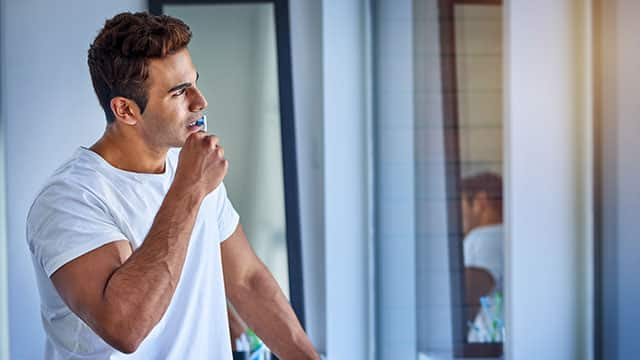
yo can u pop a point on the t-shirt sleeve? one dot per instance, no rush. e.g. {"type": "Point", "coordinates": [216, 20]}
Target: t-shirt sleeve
{"type": "Point", "coordinates": [471, 251]}
{"type": "Point", "coordinates": [228, 218]}
{"type": "Point", "coordinates": [484, 253]}
{"type": "Point", "coordinates": [65, 222]}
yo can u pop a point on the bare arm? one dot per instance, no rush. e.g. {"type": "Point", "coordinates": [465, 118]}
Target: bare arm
{"type": "Point", "coordinates": [122, 294]}
{"type": "Point", "coordinates": [259, 301]}
{"type": "Point", "coordinates": [478, 283]}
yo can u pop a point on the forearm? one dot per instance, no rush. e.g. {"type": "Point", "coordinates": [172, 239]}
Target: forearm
{"type": "Point", "coordinates": [138, 293]}
{"type": "Point", "coordinates": [261, 303]}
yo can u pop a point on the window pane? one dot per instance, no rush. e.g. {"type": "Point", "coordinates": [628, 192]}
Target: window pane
{"type": "Point", "coordinates": [458, 141]}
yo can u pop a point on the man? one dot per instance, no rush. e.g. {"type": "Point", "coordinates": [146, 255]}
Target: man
{"type": "Point", "coordinates": [130, 237]}
{"type": "Point", "coordinates": [483, 254]}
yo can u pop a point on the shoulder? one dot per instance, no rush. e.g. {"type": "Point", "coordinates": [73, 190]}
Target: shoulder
{"type": "Point", "coordinates": [73, 186]}
{"type": "Point", "coordinates": [485, 237]}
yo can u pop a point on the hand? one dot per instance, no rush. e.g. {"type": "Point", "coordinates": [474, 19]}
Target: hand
{"type": "Point", "coordinates": [202, 165]}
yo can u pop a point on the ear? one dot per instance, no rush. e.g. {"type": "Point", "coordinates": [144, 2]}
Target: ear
{"type": "Point", "coordinates": [125, 110]}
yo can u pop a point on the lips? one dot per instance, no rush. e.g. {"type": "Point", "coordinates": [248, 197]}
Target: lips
{"type": "Point", "coordinates": [193, 123]}
{"type": "Point", "coordinates": [200, 121]}
{"type": "Point", "coordinates": [194, 127]}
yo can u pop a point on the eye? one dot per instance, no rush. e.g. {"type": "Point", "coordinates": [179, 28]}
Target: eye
{"type": "Point", "coordinates": [180, 92]}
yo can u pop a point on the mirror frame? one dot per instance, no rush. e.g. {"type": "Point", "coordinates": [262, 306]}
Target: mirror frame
{"type": "Point", "coordinates": [288, 137]}
{"type": "Point", "coordinates": [453, 175]}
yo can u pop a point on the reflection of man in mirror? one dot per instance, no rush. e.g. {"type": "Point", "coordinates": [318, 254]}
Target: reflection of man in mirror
{"type": "Point", "coordinates": [130, 236]}
{"type": "Point", "coordinates": [483, 254]}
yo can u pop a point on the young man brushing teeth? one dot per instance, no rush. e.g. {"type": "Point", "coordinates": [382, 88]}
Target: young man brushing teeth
{"type": "Point", "coordinates": [135, 244]}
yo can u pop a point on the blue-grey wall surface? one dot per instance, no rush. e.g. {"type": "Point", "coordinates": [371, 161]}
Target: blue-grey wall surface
{"type": "Point", "coordinates": [546, 226]}
{"type": "Point", "coordinates": [306, 53]}
{"type": "Point", "coordinates": [346, 188]}
{"type": "Point", "coordinates": [620, 132]}
{"type": "Point", "coordinates": [49, 110]}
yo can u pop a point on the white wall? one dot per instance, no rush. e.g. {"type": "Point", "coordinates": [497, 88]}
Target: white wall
{"type": "Point", "coordinates": [48, 110]}
{"type": "Point", "coordinates": [400, 309]}
{"type": "Point", "coordinates": [346, 179]}
{"type": "Point", "coordinates": [4, 267]}
{"type": "Point", "coordinates": [306, 52]}
{"type": "Point", "coordinates": [547, 127]}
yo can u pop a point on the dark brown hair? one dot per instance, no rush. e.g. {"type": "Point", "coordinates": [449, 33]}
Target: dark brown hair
{"type": "Point", "coordinates": [118, 57]}
{"type": "Point", "coordinates": [489, 183]}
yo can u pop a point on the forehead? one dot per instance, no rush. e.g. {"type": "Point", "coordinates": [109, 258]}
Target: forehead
{"type": "Point", "coordinates": [169, 71]}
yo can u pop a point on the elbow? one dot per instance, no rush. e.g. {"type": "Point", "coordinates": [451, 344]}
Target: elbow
{"type": "Point", "coordinates": [126, 346]}
{"type": "Point", "coordinates": [121, 328]}
{"type": "Point", "coordinates": [123, 337]}
{"type": "Point", "coordinates": [125, 343]}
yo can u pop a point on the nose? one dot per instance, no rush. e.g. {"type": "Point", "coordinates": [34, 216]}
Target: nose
{"type": "Point", "coordinates": [199, 101]}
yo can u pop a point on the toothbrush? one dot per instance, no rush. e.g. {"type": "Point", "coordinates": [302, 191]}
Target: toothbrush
{"type": "Point", "coordinates": [202, 122]}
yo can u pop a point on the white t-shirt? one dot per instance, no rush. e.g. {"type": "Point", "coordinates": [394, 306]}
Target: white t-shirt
{"type": "Point", "coordinates": [88, 203]}
{"type": "Point", "coordinates": [483, 248]}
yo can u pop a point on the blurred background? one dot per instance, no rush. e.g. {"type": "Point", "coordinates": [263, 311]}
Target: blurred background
{"type": "Point", "coordinates": [465, 172]}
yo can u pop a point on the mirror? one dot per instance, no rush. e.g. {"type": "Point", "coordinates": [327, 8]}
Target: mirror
{"type": "Point", "coordinates": [471, 43]}
{"type": "Point", "coordinates": [241, 51]}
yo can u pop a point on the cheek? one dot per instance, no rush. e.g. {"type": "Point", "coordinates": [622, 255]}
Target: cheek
{"type": "Point", "coordinates": [161, 115]}
{"type": "Point", "coordinates": [175, 110]}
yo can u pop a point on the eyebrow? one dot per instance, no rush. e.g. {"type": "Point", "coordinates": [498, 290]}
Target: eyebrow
{"type": "Point", "coordinates": [183, 85]}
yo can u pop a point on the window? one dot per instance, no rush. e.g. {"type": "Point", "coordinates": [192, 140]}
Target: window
{"type": "Point", "coordinates": [438, 106]}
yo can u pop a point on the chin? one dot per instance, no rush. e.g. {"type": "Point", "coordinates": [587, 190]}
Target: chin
{"type": "Point", "coordinates": [181, 141]}
{"type": "Point", "coordinates": [176, 143]}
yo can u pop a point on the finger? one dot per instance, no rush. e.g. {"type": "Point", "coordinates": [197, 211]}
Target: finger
{"type": "Point", "coordinates": [211, 141]}
{"type": "Point", "coordinates": [192, 137]}
{"type": "Point", "coordinates": [199, 135]}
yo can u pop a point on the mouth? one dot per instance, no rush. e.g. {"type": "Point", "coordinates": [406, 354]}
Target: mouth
{"type": "Point", "coordinates": [194, 126]}
{"type": "Point", "coordinates": [197, 125]}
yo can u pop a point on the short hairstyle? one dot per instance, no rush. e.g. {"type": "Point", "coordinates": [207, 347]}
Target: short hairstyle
{"type": "Point", "coordinates": [486, 182]}
{"type": "Point", "coordinates": [119, 56]}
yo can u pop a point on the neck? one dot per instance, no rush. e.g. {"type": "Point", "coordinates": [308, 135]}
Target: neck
{"type": "Point", "coordinates": [129, 152]}
{"type": "Point", "coordinates": [491, 219]}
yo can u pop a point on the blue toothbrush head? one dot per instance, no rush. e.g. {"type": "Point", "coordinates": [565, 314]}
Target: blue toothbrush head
{"type": "Point", "coordinates": [202, 122]}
